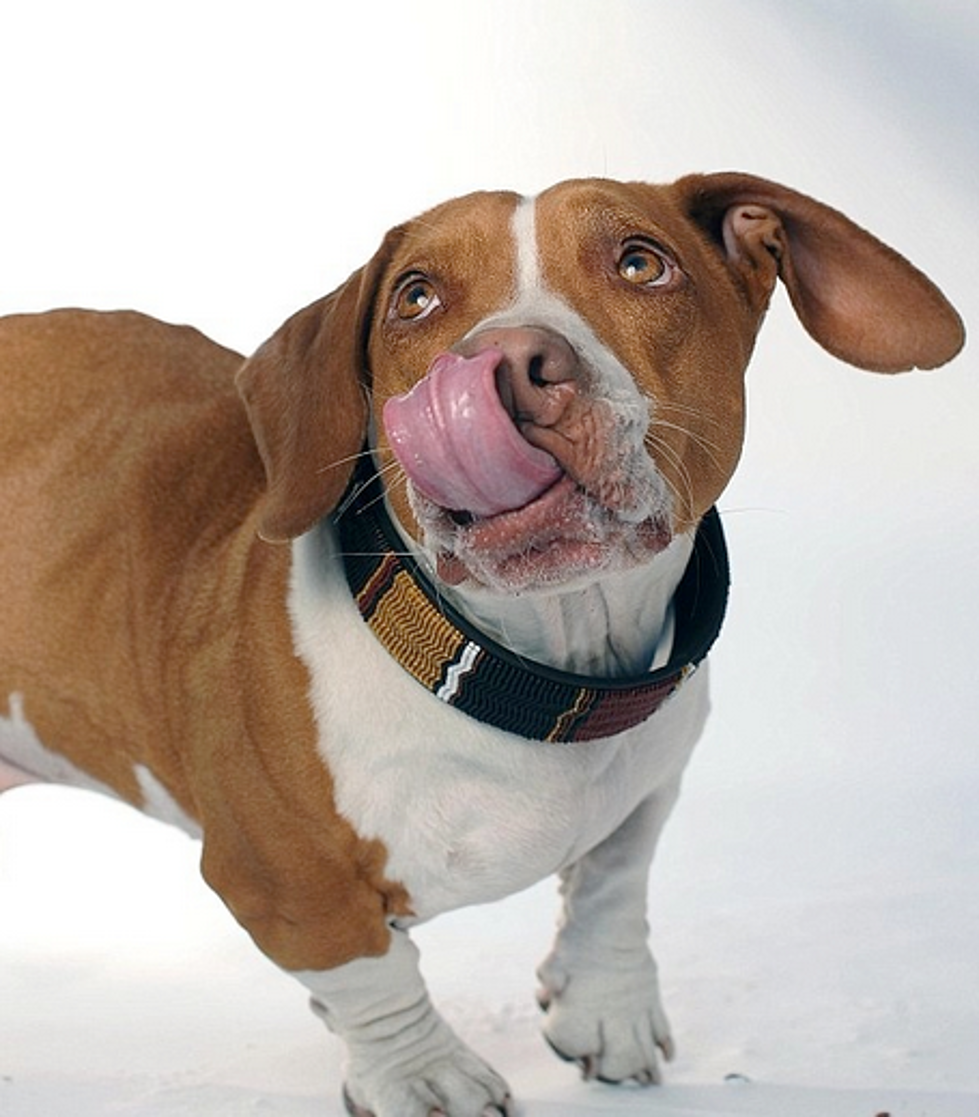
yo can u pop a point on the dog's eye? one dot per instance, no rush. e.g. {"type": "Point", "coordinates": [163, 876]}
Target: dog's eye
{"type": "Point", "coordinates": [644, 265]}
{"type": "Point", "coordinates": [415, 298]}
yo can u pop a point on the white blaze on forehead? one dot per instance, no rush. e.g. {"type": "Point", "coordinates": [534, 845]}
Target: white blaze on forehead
{"type": "Point", "coordinates": [524, 228]}
{"type": "Point", "coordinates": [536, 304]}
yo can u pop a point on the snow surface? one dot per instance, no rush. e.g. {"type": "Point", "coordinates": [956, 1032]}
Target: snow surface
{"type": "Point", "coordinates": [815, 903]}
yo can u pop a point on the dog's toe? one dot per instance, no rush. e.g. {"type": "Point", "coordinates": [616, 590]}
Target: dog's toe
{"type": "Point", "coordinates": [613, 1029]}
{"type": "Point", "coordinates": [589, 1066]}
{"type": "Point", "coordinates": [585, 1063]}
{"type": "Point", "coordinates": [438, 1091]}
{"type": "Point", "coordinates": [352, 1107]}
{"type": "Point", "coordinates": [504, 1110]}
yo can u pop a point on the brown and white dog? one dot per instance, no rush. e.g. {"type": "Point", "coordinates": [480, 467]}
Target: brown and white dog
{"type": "Point", "coordinates": [472, 665]}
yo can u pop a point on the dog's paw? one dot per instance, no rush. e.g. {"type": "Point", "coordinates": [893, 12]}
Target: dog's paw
{"type": "Point", "coordinates": [403, 1059]}
{"type": "Point", "coordinates": [610, 1022]}
{"type": "Point", "coordinates": [455, 1084]}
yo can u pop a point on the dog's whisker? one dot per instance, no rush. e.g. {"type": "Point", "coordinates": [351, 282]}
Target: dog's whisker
{"type": "Point", "coordinates": [398, 478]}
{"type": "Point", "coordinates": [684, 409]}
{"type": "Point", "coordinates": [711, 449]}
{"type": "Point", "coordinates": [348, 500]}
{"type": "Point", "coordinates": [375, 500]}
{"type": "Point", "coordinates": [700, 439]}
{"type": "Point", "coordinates": [374, 554]}
{"type": "Point", "coordinates": [395, 476]}
{"type": "Point", "coordinates": [683, 474]}
{"type": "Point", "coordinates": [345, 461]}
{"type": "Point", "coordinates": [509, 643]}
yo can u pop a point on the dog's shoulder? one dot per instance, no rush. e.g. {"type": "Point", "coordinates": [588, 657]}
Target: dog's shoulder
{"type": "Point", "coordinates": [145, 405]}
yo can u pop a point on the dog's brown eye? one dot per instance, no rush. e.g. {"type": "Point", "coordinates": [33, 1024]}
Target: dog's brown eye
{"type": "Point", "coordinates": [416, 298]}
{"type": "Point", "coordinates": [645, 266]}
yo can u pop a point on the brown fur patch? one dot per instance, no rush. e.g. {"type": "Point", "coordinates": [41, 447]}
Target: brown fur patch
{"type": "Point", "coordinates": [145, 622]}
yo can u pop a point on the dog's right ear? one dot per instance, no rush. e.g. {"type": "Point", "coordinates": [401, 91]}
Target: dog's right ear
{"type": "Point", "coordinates": [306, 391]}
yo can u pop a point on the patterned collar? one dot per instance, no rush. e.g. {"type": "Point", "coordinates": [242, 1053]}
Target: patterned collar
{"type": "Point", "coordinates": [466, 669]}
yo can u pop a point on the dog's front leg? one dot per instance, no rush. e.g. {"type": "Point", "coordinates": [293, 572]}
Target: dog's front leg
{"type": "Point", "coordinates": [600, 987]}
{"type": "Point", "coordinates": [403, 1059]}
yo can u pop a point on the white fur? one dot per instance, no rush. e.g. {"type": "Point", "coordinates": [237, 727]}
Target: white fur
{"type": "Point", "coordinates": [622, 625]}
{"type": "Point", "coordinates": [25, 759]}
{"type": "Point", "coordinates": [158, 803]}
{"type": "Point", "coordinates": [600, 980]}
{"type": "Point", "coordinates": [23, 751]}
{"type": "Point", "coordinates": [490, 812]}
{"type": "Point", "coordinates": [524, 229]}
{"type": "Point", "coordinates": [402, 1057]}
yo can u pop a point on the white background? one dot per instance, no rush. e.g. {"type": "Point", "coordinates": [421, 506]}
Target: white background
{"type": "Point", "coordinates": [816, 900]}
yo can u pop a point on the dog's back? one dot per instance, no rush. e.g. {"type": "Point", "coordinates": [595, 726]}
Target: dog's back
{"type": "Point", "coordinates": [120, 437]}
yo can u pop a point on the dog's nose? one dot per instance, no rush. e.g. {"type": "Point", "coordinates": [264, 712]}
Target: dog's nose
{"type": "Point", "coordinates": [538, 372]}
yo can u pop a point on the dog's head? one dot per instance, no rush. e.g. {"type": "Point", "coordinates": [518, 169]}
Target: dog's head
{"type": "Point", "coordinates": [555, 385]}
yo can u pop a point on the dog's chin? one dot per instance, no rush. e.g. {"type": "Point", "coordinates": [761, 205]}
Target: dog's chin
{"type": "Point", "coordinates": [562, 539]}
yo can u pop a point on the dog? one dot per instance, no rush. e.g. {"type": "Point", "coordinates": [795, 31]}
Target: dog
{"type": "Point", "coordinates": [411, 608]}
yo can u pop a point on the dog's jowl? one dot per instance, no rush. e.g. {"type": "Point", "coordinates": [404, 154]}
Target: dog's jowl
{"type": "Point", "coordinates": [410, 609]}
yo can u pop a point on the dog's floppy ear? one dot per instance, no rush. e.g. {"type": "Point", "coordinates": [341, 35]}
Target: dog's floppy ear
{"type": "Point", "coordinates": [306, 393]}
{"type": "Point", "coordinates": [859, 299]}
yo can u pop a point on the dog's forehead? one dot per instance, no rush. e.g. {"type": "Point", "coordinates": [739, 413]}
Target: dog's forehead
{"type": "Point", "coordinates": [593, 211]}
{"type": "Point", "coordinates": [460, 229]}
{"type": "Point", "coordinates": [503, 226]}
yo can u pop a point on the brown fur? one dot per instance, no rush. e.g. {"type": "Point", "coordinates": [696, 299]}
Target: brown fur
{"type": "Point", "coordinates": [147, 624]}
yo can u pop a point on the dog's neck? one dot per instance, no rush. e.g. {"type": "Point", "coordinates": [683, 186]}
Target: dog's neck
{"type": "Point", "coordinates": [539, 687]}
{"type": "Point", "coordinates": [618, 625]}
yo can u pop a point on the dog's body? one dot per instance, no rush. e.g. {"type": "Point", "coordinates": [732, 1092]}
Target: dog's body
{"type": "Point", "coordinates": [156, 647]}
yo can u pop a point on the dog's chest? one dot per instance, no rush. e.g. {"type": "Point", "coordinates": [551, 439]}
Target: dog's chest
{"type": "Point", "coordinates": [468, 813]}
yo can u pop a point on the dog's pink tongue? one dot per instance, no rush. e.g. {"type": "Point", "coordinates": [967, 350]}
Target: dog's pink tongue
{"type": "Point", "coordinates": [457, 443]}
